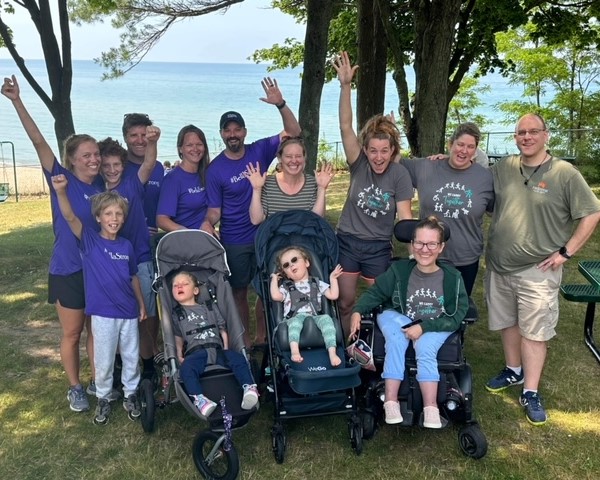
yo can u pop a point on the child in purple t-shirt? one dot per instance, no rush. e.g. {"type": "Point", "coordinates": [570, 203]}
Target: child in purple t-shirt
{"type": "Point", "coordinates": [113, 295]}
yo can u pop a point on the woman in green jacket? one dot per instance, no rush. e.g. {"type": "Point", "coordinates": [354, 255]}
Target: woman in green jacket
{"type": "Point", "coordinates": [431, 297]}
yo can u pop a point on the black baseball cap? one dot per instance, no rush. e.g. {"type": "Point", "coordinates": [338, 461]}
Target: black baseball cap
{"type": "Point", "coordinates": [231, 117]}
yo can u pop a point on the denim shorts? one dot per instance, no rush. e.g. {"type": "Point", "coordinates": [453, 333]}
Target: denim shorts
{"type": "Point", "coordinates": [367, 257]}
{"type": "Point", "coordinates": [67, 289]}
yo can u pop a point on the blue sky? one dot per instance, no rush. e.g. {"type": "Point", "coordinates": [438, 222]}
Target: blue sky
{"type": "Point", "coordinates": [216, 38]}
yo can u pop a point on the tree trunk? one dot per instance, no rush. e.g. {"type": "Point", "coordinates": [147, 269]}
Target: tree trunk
{"type": "Point", "coordinates": [372, 59]}
{"type": "Point", "coordinates": [318, 16]}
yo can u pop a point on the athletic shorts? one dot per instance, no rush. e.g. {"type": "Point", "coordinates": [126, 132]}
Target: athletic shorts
{"type": "Point", "coordinates": [146, 277]}
{"type": "Point", "coordinates": [241, 260]}
{"type": "Point", "coordinates": [528, 299]}
{"type": "Point", "coordinates": [367, 257]}
{"type": "Point", "coordinates": [67, 289]}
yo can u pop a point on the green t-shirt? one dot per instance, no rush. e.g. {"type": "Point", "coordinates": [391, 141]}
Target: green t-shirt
{"type": "Point", "coordinates": [532, 221]}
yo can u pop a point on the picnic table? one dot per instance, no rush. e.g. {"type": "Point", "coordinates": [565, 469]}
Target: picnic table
{"type": "Point", "coordinates": [586, 293]}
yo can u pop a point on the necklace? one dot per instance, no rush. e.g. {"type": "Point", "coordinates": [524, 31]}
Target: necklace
{"type": "Point", "coordinates": [526, 182]}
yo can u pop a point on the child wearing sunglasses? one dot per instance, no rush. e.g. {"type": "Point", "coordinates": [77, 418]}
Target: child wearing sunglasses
{"type": "Point", "coordinates": [299, 302]}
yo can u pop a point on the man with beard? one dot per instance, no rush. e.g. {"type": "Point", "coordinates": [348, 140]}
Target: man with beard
{"type": "Point", "coordinates": [229, 195]}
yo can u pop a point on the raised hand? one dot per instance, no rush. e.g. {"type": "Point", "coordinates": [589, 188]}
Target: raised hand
{"type": "Point", "coordinates": [324, 175]}
{"type": "Point", "coordinates": [152, 134]}
{"type": "Point", "coordinates": [272, 92]}
{"type": "Point", "coordinates": [343, 67]}
{"type": "Point", "coordinates": [10, 88]}
{"type": "Point", "coordinates": [252, 173]}
{"type": "Point", "coordinates": [59, 182]}
{"type": "Point", "coordinates": [336, 272]}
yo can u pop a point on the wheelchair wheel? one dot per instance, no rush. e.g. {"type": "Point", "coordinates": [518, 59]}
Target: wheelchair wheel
{"type": "Point", "coordinates": [212, 460]}
{"type": "Point", "coordinates": [472, 441]}
{"type": "Point", "coordinates": [355, 429]}
{"type": "Point", "coordinates": [279, 442]}
{"type": "Point", "coordinates": [147, 405]}
{"type": "Point", "coordinates": [369, 425]}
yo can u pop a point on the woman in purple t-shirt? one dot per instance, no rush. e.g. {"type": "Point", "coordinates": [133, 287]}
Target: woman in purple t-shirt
{"type": "Point", "coordinates": [182, 202]}
{"type": "Point", "coordinates": [65, 280]}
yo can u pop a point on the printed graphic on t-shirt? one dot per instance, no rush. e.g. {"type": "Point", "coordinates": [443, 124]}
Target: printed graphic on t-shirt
{"type": "Point", "coordinates": [116, 255]}
{"type": "Point", "coordinates": [374, 202]}
{"type": "Point", "coordinates": [200, 321]}
{"type": "Point", "coordinates": [424, 304]}
{"type": "Point", "coordinates": [453, 200]}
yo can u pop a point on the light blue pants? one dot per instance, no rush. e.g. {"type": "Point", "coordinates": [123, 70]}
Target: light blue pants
{"type": "Point", "coordinates": [323, 322]}
{"type": "Point", "coordinates": [426, 348]}
{"type": "Point", "coordinates": [111, 334]}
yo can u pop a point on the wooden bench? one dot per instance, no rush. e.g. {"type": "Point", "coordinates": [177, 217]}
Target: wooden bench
{"type": "Point", "coordinates": [589, 294]}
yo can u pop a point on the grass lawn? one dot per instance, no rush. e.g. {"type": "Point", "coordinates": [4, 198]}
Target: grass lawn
{"type": "Point", "coordinates": [40, 438]}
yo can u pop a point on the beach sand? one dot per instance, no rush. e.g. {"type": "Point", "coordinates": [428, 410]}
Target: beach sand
{"type": "Point", "coordinates": [29, 180]}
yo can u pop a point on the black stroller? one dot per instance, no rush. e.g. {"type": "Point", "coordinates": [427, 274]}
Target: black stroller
{"type": "Point", "coordinates": [201, 254]}
{"type": "Point", "coordinates": [313, 387]}
{"type": "Point", "coordinates": [455, 391]}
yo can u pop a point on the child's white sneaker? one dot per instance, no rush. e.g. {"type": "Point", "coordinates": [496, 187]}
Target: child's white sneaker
{"type": "Point", "coordinates": [250, 397]}
{"type": "Point", "coordinates": [431, 417]}
{"type": "Point", "coordinates": [204, 405]}
{"type": "Point", "coordinates": [392, 412]}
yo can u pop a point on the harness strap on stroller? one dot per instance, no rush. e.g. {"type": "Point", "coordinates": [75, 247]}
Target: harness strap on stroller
{"type": "Point", "coordinates": [299, 299]}
{"type": "Point", "coordinates": [212, 348]}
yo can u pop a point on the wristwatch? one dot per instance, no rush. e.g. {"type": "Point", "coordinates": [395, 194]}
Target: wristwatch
{"type": "Point", "coordinates": [564, 253]}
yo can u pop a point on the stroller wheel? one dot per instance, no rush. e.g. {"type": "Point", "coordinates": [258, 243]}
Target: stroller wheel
{"type": "Point", "coordinates": [211, 458]}
{"type": "Point", "coordinates": [472, 441]}
{"type": "Point", "coordinates": [279, 442]}
{"type": "Point", "coordinates": [147, 405]}
{"type": "Point", "coordinates": [369, 425]}
{"type": "Point", "coordinates": [356, 434]}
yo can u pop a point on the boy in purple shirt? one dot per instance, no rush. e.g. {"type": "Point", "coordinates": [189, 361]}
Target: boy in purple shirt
{"type": "Point", "coordinates": [229, 196]}
{"type": "Point", "coordinates": [113, 295]}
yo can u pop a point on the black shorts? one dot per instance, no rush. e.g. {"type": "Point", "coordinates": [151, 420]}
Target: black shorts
{"type": "Point", "coordinates": [241, 260]}
{"type": "Point", "coordinates": [367, 257]}
{"type": "Point", "coordinates": [67, 289]}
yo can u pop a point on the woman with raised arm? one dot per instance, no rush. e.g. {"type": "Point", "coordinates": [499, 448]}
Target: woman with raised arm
{"type": "Point", "coordinates": [380, 192]}
{"type": "Point", "coordinates": [65, 280]}
{"type": "Point", "coordinates": [289, 188]}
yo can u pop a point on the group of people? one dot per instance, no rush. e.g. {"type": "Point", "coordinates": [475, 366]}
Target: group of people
{"type": "Point", "coordinates": [534, 199]}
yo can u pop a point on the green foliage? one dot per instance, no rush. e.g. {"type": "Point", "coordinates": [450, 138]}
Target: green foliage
{"type": "Point", "coordinates": [288, 55]}
{"type": "Point", "coordinates": [463, 104]}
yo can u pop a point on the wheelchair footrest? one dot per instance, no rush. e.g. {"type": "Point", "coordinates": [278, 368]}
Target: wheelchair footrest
{"type": "Point", "coordinates": [580, 293]}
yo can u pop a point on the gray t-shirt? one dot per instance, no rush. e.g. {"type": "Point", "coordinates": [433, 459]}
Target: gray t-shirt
{"type": "Point", "coordinates": [369, 212]}
{"type": "Point", "coordinates": [425, 295]}
{"type": "Point", "coordinates": [193, 327]}
{"type": "Point", "coordinates": [276, 200]}
{"type": "Point", "coordinates": [458, 197]}
{"type": "Point", "coordinates": [535, 220]}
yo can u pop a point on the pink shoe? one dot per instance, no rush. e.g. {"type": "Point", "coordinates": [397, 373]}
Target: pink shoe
{"type": "Point", "coordinates": [250, 397]}
{"type": "Point", "coordinates": [204, 405]}
{"type": "Point", "coordinates": [392, 412]}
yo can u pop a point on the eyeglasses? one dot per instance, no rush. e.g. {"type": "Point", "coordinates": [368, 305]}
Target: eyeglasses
{"type": "Point", "coordinates": [420, 245]}
{"type": "Point", "coordinates": [533, 132]}
{"type": "Point", "coordinates": [127, 115]}
{"type": "Point", "coordinates": [292, 261]}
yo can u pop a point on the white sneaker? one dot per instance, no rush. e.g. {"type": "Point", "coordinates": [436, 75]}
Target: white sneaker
{"type": "Point", "coordinates": [250, 398]}
{"type": "Point", "coordinates": [431, 417]}
{"type": "Point", "coordinates": [392, 412]}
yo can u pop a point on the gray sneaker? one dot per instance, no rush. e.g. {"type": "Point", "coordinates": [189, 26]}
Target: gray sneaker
{"type": "Point", "coordinates": [113, 396]}
{"type": "Point", "coordinates": [78, 401]}
{"type": "Point", "coordinates": [102, 412]}
{"type": "Point", "coordinates": [131, 405]}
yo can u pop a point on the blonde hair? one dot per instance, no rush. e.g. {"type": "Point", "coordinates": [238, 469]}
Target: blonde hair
{"type": "Point", "coordinates": [103, 200]}
{"type": "Point", "coordinates": [70, 146]}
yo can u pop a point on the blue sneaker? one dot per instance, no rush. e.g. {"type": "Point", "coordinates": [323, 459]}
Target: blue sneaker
{"type": "Point", "coordinates": [78, 401]}
{"type": "Point", "coordinates": [534, 411]}
{"type": "Point", "coordinates": [506, 378]}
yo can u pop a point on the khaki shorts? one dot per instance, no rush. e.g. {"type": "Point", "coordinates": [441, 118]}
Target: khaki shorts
{"type": "Point", "coordinates": [528, 299]}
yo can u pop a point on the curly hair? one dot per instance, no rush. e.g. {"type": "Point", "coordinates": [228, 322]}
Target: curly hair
{"type": "Point", "coordinates": [382, 128]}
{"type": "Point", "coordinates": [112, 148]}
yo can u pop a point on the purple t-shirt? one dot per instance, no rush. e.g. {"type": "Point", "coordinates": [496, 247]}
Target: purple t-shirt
{"type": "Point", "coordinates": [135, 229]}
{"type": "Point", "coordinates": [228, 189]}
{"type": "Point", "coordinates": [182, 198]}
{"type": "Point", "coordinates": [108, 266]}
{"type": "Point", "coordinates": [66, 258]}
{"type": "Point", "coordinates": [151, 189]}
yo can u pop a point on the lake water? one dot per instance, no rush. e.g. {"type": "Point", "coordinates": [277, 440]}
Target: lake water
{"type": "Point", "coordinates": [176, 94]}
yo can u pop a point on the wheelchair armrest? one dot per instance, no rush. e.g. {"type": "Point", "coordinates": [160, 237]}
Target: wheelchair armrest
{"type": "Point", "coordinates": [472, 313]}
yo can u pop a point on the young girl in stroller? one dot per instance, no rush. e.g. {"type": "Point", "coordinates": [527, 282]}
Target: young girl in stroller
{"type": "Point", "coordinates": [301, 297]}
{"type": "Point", "coordinates": [424, 302]}
{"type": "Point", "coordinates": [201, 334]}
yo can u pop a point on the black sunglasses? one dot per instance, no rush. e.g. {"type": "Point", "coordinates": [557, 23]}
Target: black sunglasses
{"type": "Point", "coordinates": [291, 262]}
{"type": "Point", "coordinates": [127, 115]}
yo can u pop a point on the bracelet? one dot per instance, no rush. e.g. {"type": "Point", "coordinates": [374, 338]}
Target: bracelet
{"type": "Point", "coordinates": [280, 105]}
